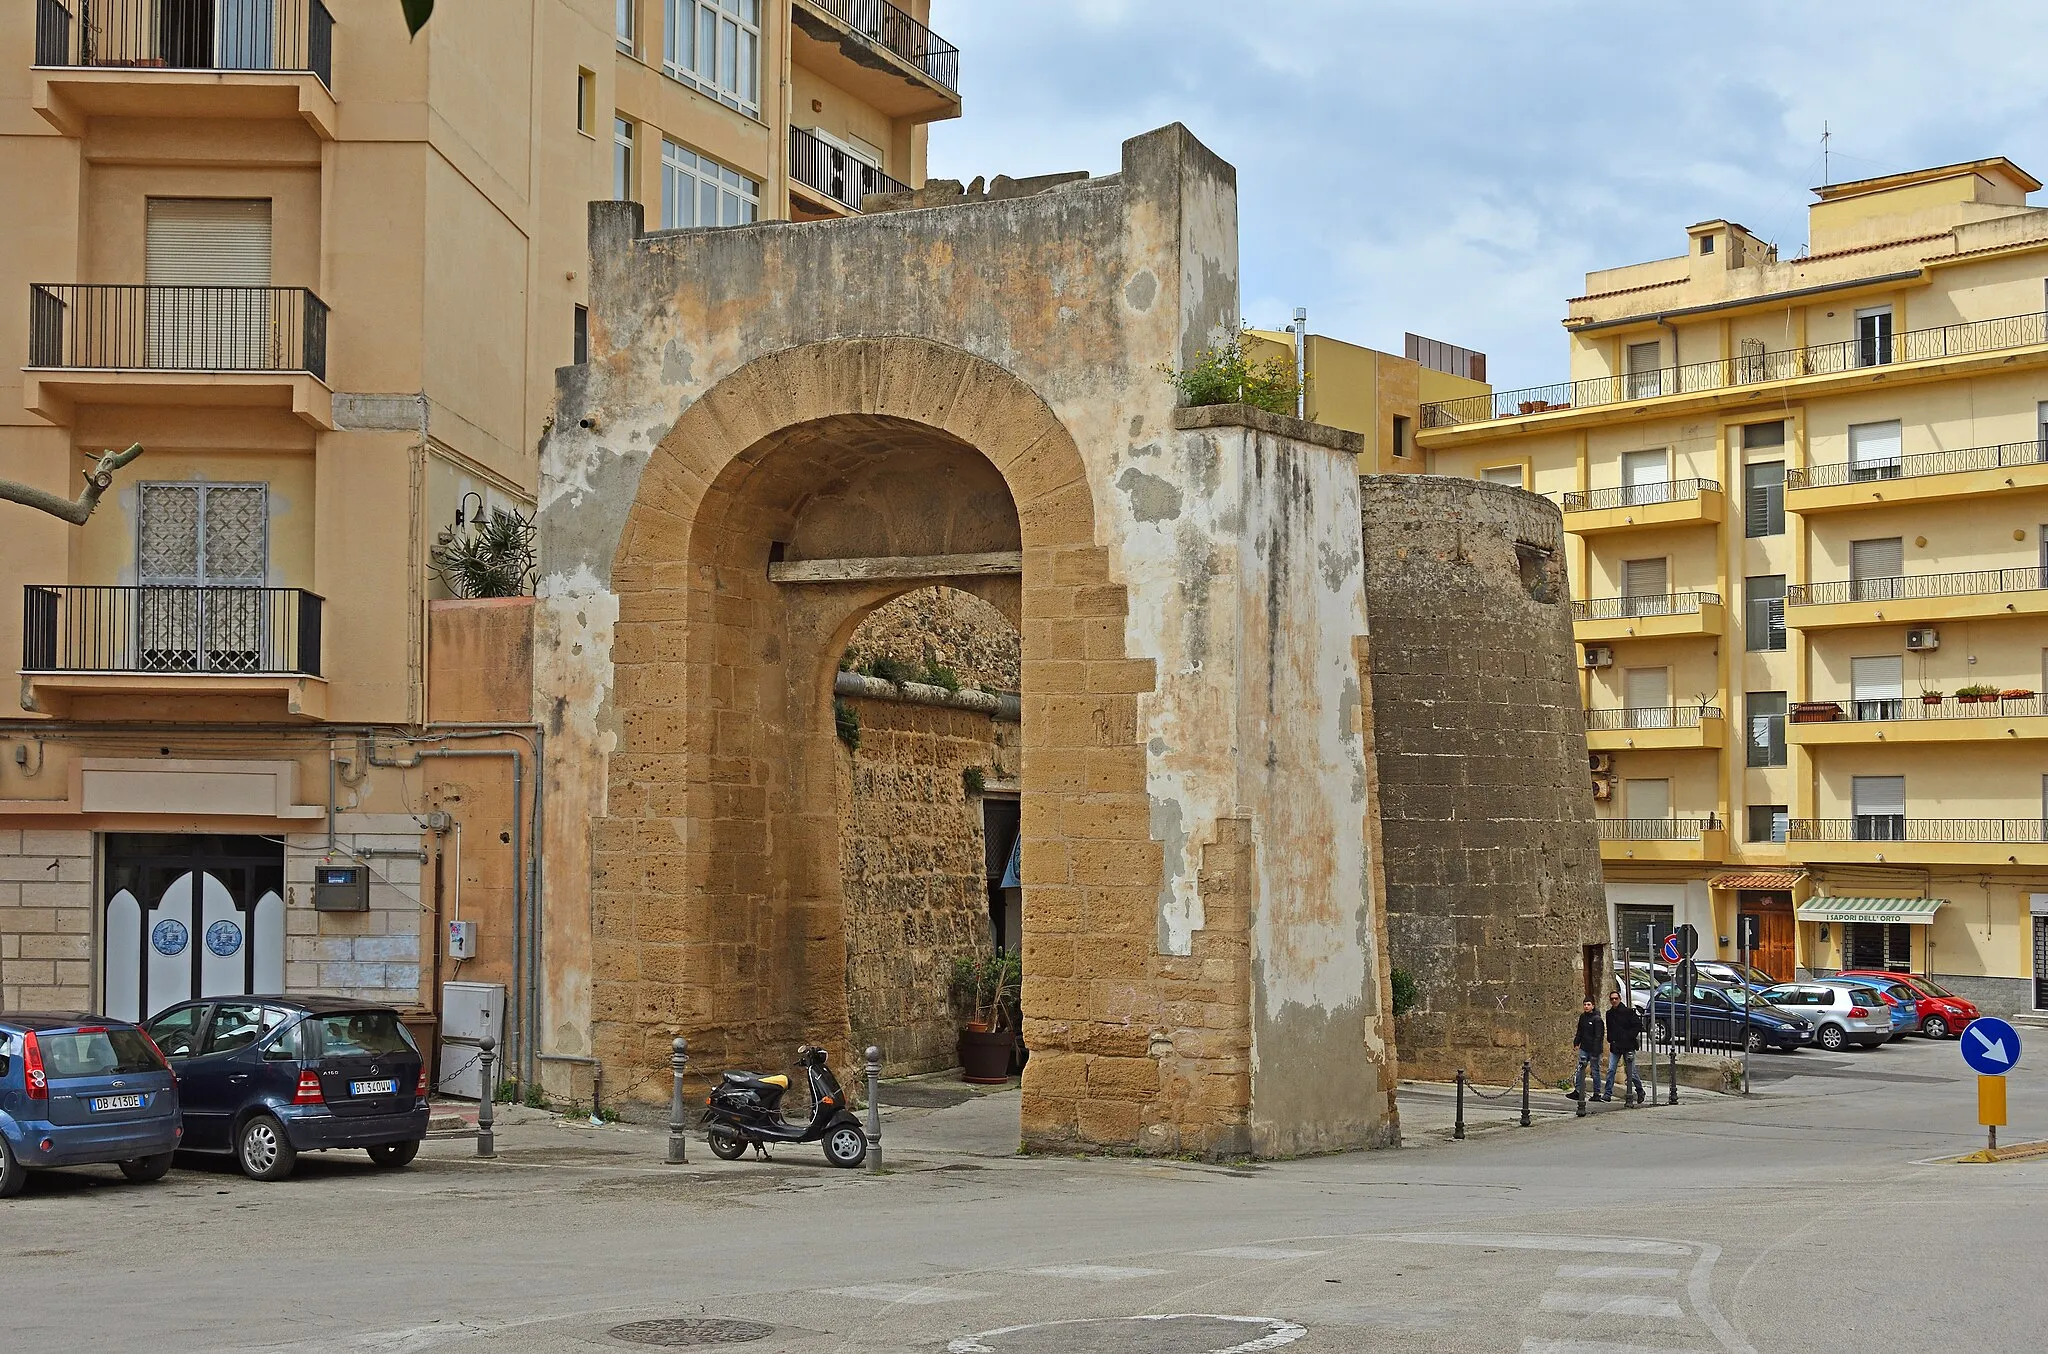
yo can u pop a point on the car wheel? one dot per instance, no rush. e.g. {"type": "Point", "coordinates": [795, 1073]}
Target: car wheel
{"type": "Point", "coordinates": [1660, 1033]}
{"type": "Point", "coordinates": [1757, 1042]}
{"type": "Point", "coordinates": [1935, 1028]}
{"type": "Point", "coordinates": [392, 1155]}
{"type": "Point", "coordinates": [263, 1151]}
{"type": "Point", "coordinates": [1832, 1038]}
{"type": "Point", "coordinates": [726, 1143]}
{"type": "Point", "coordinates": [142, 1170]}
{"type": "Point", "coordinates": [846, 1146]}
{"type": "Point", "coordinates": [13, 1175]}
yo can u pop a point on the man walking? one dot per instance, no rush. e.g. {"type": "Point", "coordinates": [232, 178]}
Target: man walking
{"type": "Point", "coordinates": [1588, 1040]}
{"type": "Point", "coordinates": [1624, 1037]}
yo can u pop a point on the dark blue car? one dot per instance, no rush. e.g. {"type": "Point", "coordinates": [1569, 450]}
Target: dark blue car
{"type": "Point", "coordinates": [266, 1078]}
{"type": "Point", "coordinates": [79, 1090]}
{"type": "Point", "coordinates": [1728, 1017]}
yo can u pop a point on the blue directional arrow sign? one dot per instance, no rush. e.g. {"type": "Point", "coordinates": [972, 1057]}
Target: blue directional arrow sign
{"type": "Point", "coordinates": [1990, 1046]}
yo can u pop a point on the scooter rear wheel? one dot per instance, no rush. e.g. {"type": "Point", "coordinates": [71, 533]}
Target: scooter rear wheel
{"type": "Point", "coordinates": [846, 1146]}
{"type": "Point", "coordinates": [726, 1143]}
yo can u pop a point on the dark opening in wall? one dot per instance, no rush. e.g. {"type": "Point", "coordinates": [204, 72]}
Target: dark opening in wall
{"type": "Point", "coordinates": [1539, 572]}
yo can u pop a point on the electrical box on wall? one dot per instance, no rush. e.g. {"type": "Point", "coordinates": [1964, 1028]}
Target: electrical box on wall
{"type": "Point", "coordinates": [462, 940]}
{"type": "Point", "coordinates": [341, 888]}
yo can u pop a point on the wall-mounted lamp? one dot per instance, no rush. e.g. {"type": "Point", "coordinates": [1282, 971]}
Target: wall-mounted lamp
{"type": "Point", "coordinates": [462, 514]}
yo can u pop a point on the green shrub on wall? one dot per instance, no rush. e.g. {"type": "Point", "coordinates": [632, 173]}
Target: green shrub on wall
{"type": "Point", "coordinates": [1403, 983]}
{"type": "Point", "coordinates": [1231, 375]}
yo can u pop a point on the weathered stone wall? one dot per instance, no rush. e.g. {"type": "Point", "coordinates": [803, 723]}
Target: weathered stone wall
{"type": "Point", "coordinates": [1491, 861]}
{"type": "Point", "coordinates": [954, 629]}
{"type": "Point", "coordinates": [913, 873]}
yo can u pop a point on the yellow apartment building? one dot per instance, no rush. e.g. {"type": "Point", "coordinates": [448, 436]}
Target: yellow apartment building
{"type": "Point", "coordinates": [1374, 394]}
{"type": "Point", "coordinates": [326, 274]}
{"type": "Point", "coordinates": [1807, 504]}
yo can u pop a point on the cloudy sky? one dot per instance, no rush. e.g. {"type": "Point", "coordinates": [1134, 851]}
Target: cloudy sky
{"type": "Point", "coordinates": [1454, 167]}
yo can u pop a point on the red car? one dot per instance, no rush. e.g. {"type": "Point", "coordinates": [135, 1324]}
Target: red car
{"type": "Point", "coordinates": [1942, 1012]}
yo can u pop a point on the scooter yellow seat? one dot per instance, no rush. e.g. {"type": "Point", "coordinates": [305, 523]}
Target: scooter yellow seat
{"type": "Point", "coordinates": [779, 1079]}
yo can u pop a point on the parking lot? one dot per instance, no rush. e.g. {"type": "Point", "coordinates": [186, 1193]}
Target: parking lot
{"type": "Point", "coordinates": [1704, 1227]}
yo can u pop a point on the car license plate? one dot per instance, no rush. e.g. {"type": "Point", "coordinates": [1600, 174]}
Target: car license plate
{"type": "Point", "coordinates": [116, 1102]}
{"type": "Point", "coordinates": [372, 1087]}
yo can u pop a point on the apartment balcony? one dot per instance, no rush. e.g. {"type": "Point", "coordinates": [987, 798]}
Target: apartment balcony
{"type": "Point", "coordinates": [1919, 354]}
{"type": "Point", "coordinates": [1651, 840]}
{"type": "Point", "coordinates": [1656, 727]}
{"type": "Point", "coordinates": [2020, 717]}
{"type": "Point", "coordinates": [1895, 840]}
{"type": "Point", "coordinates": [264, 347]}
{"type": "Point", "coordinates": [1631, 506]}
{"type": "Point", "coordinates": [1655, 616]}
{"type": "Point", "coordinates": [1917, 599]}
{"type": "Point", "coordinates": [878, 54]}
{"type": "Point", "coordinates": [221, 59]}
{"type": "Point", "coordinates": [158, 652]}
{"type": "Point", "coordinates": [1929, 477]}
{"type": "Point", "coordinates": [835, 180]}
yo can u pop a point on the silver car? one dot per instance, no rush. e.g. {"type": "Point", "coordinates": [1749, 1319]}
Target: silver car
{"type": "Point", "coordinates": [1841, 1013]}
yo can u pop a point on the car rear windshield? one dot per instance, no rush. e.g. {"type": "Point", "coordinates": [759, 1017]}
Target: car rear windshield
{"type": "Point", "coordinates": [96, 1053]}
{"type": "Point", "coordinates": [364, 1034]}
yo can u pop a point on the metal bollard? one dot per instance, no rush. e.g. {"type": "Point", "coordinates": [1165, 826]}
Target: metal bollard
{"type": "Point", "coordinates": [486, 1140]}
{"type": "Point", "coordinates": [1458, 1131]}
{"type": "Point", "coordinates": [1525, 1093]}
{"type": "Point", "coordinates": [1672, 1069]}
{"type": "Point", "coordinates": [678, 1059]}
{"type": "Point", "coordinates": [874, 1111]}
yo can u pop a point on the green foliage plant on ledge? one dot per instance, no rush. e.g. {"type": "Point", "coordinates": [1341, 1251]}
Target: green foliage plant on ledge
{"type": "Point", "coordinates": [846, 723]}
{"type": "Point", "coordinates": [1231, 375]}
{"type": "Point", "coordinates": [1405, 994]}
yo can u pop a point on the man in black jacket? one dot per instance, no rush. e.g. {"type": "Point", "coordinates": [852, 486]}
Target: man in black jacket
{"type": "Point", "coordinates": [1624, 1037]}
{"type": "Point", "coordinates": [1588, 1040]}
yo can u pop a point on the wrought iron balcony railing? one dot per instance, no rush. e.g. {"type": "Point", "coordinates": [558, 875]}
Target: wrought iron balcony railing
{"type": "Point", "coordinates": [209, 329]}
{"type": "Point", "coordinates": [187, 630]}
{"type": "Point", "coordinates": [1822, 359]}
{"type": "Point", "coordinates": [1919, 464]}
{"type": "Point", "coordinates": [1921, 708]}
{"type": "Point", "coordinates": [887, 26]}
{"type": "Point", "coordinates": [1638, 495]}
{"type": "Point", "coordinates": [1654, 604]}
{"type": "Point", "coordinates": [1887, 827]}
{"type": "Point", "coordinates": [1656, 829]}
{"type": "Point", "coordinates": [1905, 587]}
{"type": "Point", "coordinates": [205, 35]}
{"type": "Point", "coordinates": [834, 173]}
{"type": "Point", "coordinates": [1651, 717]}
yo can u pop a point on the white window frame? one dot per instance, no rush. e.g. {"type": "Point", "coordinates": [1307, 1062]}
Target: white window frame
{"type": "Point", "coordinates": [1878, 349]}
{"type": "Point", "coordinates": [624, 133]}
{"type": "Point", "coordinates": [624, 24]}
{"type": "Point", "coordinates": [688, 172]}
{"type": "Point", "coordinates": [714, 46]}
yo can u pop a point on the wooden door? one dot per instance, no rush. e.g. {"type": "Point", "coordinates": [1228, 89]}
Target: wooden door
{"type": "Point", "coordinates": [1774, 945]}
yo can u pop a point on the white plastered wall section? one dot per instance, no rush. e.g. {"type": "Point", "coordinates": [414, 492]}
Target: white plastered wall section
{"type": "Point", "coordinates": [373, 955]}
{"type": "Point", "coordinates": [46, 921]}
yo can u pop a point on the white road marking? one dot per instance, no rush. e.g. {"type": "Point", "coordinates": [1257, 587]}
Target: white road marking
{"type": "Point", "coordinates": [1613, 1272]}
{"type": "Point", "coordinates": [1532, 1345]}
{"type": "Point", "coordinates": [1258, 1253]}
{"type": "Point", "coordinates": [1278, 1332]}
{"type": "Point", "coordinates": [1592, 1245]}
{"type": "Point", "coordinates": [1095, 1273]}
{"type": "Point", "coordinates": [904, 1294]}
{"type": "Point", "coordinates": [1610, 1304]}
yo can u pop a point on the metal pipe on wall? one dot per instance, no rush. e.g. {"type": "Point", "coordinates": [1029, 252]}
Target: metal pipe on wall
{"type": "Point", "coordinates": [1301, 362]}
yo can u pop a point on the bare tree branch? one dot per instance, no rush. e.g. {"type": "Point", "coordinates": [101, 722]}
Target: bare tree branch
{"type": "Point", "coordinates": [74, 511]}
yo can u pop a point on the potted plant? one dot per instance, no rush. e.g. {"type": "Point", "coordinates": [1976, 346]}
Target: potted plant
{"type": "Point", "coordinates": [986, 990]}
{"type": "Point", "coordinates": [1815, 712]}
{"type": "Point", "coordinates": [1975, 693]}
{"type": "Point", "coordinates": [2018, 693]}
{"type": "Point", "coordinates": [1930, 698]}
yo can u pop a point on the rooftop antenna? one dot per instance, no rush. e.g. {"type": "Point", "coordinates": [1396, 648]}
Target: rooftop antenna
{"type": "Point", "coordinates": [1825, 135]}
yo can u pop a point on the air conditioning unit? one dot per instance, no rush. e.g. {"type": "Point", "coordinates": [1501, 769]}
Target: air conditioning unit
{"type": "Point", "coordinates": [1923, 639]}
{"type": "Point", "coordinates": [1603, 789]}
{"type": "Point", "coordinates": [1599, 656]}
{"type": "Point", "coordinates": [1600, 763]}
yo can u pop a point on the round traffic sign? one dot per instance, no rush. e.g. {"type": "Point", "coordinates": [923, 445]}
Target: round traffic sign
{"type": "Point", "coordinates": [1671, 951]}
{"type": "Point", "coordinates": [1990, 1046]}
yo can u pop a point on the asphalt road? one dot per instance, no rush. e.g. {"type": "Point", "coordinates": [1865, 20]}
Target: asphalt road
{"type": "Point", "coordinates": [1814, 1217]}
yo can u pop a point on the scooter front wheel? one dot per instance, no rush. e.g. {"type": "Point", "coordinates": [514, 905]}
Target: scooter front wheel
{"type": "Point", "coordinates": [846, 1146]}
{"type": "Point", "coordinates": [726, 1142]}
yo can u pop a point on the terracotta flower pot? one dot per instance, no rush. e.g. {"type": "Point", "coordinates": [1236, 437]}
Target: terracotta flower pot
{"type": "Point", "coordinates": [985, 1056]}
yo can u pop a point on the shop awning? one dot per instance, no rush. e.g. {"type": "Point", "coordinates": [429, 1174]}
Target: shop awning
{"type": "Point", "coordinates": [1769, 879]}
{"type": "Point", "coordinates": [1909, 911]}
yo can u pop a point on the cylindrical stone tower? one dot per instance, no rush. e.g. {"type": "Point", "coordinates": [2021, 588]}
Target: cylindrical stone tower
{"type": "Point", "coordinates": [1485, 807]}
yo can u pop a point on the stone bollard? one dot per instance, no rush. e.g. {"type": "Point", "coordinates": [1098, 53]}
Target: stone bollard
{"type": "Point", "coordinates": [486, 1140]}
{"type": "Point", "coordinates": [678, 1060]}
{"type": "Point", "coordinates": [874, 1111]}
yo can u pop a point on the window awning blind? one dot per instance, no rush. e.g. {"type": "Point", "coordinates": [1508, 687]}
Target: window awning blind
{"type": "Point", "coordinates": [208, 242]}
{"type": "Point", "coordinates": [1877, 679]}
{"type": "Point", "coordinates": [1877, 559]}
{"type": "Point", "coordinates": [1879, 796]}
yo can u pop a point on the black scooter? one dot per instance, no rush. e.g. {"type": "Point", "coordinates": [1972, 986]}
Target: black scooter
{"type": "Point", "coordinates": [745, 1110]}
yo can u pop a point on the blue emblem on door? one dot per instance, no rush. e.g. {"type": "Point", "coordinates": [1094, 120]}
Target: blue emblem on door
{"type": "Point", "coordinates": [223, 938]}
{"type": "Point", "coordinates": [170, 937]}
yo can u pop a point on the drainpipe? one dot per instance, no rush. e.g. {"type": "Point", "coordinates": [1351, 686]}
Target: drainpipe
{"type": "Point", "coordinates": [1301, 362]}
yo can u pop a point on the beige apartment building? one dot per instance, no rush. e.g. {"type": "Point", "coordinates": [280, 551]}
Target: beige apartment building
{"type": "Point", "coordinates": [326, 275]}
{"type": "Point", "coordinates": [1807, 506]}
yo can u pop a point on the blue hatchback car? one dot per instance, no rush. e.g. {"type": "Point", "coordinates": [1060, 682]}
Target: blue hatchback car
{"type": "Point", "coordinates": [265, 1078]}
{"type": "Point", "coordinates": [81, 1090]}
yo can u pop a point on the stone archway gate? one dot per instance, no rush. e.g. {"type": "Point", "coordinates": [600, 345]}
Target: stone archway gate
{"type": "Point", "coordinates": [1201, 937]}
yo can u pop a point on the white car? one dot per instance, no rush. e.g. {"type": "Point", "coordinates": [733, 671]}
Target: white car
{"type": "Point", "coordinates": [1841, 1013]}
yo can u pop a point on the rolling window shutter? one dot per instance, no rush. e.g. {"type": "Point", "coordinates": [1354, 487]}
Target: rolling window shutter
{"type": "Point", "coordinates": [1644, 578]}
{"type": "Point", "coordinates": [1877, 679]}
{"type": "Point", "coordinates": [1877, 559]}
{"type": "Point", "coordinates": [1879, 796]}
{"type": "Point", "coordinates": [1648, 688]}
{"type": "Point", "coordinates": [1873, 444]}
{"type": "Point", "coordinates": [208, 242]}
{"type": "Point", "coordinates": [1645, 467]}
{"type": "Point", "coordinates": [1647, 798]}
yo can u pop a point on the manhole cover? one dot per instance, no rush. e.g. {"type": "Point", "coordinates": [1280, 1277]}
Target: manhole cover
{"type": "Point", "coordinates": [1181, 1333]}
{"type": "Point", "coordinates": [689, 1332]}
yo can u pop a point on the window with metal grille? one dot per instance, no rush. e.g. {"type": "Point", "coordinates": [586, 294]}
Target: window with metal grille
{"type": "Point", "coordinates": [1763, 608]}
{"type": "Point", "coordinates": [202, 557]}
{"type": "Point", "coordinates": [1766, 728]}
{"type": "Point", "coordinates": [715, 45]}
{"type": "Point", "coordinates": [698, 191]}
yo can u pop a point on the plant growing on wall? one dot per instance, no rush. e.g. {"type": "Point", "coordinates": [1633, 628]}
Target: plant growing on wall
{"type": "Point", "coordinates": [495, 558]}
{"type": "Point", "coordinates": [1229, 374]}
{"type": "Point", "coordinates": [973, 780]}
{"type": "Point", "coordinates": [72, 510]}
{"type": "Point", "coordinates": [1405, 994]}
{"type": "Point", "coordinates": [846, 723]}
